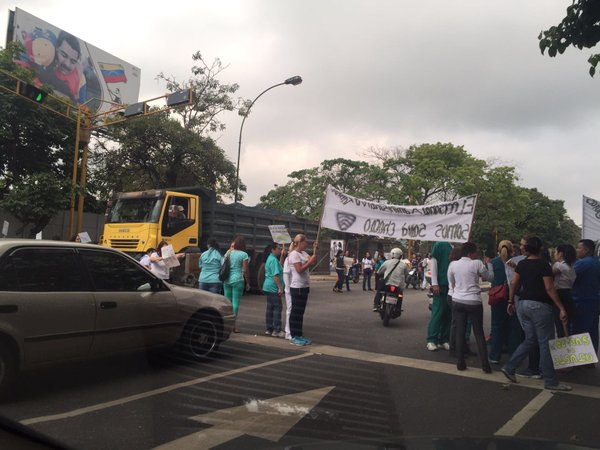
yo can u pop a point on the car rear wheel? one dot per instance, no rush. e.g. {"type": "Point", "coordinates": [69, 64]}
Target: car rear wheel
{"type": "Point", "coordinates": [201, 337]}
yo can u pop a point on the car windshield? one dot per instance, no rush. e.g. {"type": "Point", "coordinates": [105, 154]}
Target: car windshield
{"type": "Point", "coordinates": [135, 210]}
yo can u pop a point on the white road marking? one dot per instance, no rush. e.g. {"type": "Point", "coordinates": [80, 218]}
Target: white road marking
{"type": "Point", "coordinates": [269, 419]}
{"type": "Point", "coordinates": [162, 390]}
{"type": "Point", "coordinates": [474, 371]}
{"type": "Point", "coordinates": [519, 420]}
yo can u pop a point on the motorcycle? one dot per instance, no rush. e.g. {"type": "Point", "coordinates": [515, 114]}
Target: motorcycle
{"type": "Point", "coordinates": [413, 278]}
{"type": "Point", "coordinates": [390, 306]}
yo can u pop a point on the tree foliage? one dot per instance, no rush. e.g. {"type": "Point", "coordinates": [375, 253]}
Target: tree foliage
{"type": "Point", "coordinates": [430, 173]}
{"type": "Point", "coordinates": [157, 152]}
{"type": "Point", "coordinates": [173, 148]}
{"type": "Point", "coordinates": [579, 28]}
{"type": "Point", "coordinates": [32, 139]}
{"type": "Point", "coordinates": [35, 199]}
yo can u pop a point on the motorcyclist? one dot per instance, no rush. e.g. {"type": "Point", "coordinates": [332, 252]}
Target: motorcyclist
{"type": "Point", "coordinates": [393, 272]}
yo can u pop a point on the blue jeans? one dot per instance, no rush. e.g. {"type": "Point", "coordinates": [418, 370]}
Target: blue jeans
{"type": "Point", "coordinates": [339, 284]}
{"type": "Point", "coordinates": [537, 320]}
{"type": "Point", "coordinates": [215, 288]}
{"type": "Point", "coordinates": [273, 315]}
{"type": "Point", "coordinates": [586, 320]}
{"type": "Point", "coordinates": [505, 330]}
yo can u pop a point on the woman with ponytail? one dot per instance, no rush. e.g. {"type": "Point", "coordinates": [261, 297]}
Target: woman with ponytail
{"type": "Point", "coordinates": [506, 329]}
{"type": "Point", "coordinates": [299, 262]}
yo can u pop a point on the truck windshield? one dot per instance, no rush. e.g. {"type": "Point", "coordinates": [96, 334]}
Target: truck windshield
{"type": "Point", "coordinates": [136, 210]}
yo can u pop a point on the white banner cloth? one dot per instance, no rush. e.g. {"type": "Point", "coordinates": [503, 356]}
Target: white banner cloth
{"type": "Point", "coordinates": [449, 221]}
{"type": "Point", "coordinates": [591, 219]}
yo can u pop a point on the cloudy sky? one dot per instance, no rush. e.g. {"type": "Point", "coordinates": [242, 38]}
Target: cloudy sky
{"type": "Point", "coordinates": [376, 73]}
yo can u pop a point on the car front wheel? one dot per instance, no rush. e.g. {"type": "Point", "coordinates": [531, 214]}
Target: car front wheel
{"type": "Point", "coordinates": [201, 337]}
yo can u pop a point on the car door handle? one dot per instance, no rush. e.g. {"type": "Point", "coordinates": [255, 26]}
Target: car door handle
{"type": "Point", "coordinates": [108, 305]}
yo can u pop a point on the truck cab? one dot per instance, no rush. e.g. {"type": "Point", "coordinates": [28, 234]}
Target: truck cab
{"type": "Point", "coordinates": [138, 221]}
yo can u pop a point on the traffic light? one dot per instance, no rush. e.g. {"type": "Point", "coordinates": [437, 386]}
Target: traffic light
{"type": "Point", "coordinates": [32, 92]}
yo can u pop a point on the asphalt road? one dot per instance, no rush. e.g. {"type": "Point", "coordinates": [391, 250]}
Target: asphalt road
{"type": "Point", "coordinates": [357, 381]}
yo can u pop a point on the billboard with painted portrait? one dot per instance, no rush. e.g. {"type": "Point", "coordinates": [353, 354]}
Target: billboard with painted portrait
{"type": "Point", "coordinates": [75, 69]}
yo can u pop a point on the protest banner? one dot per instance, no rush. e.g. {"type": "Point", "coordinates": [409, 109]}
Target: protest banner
{"type": "Point", "coordinates": [575, 350]}
{"type": "Point", "coordinates": [591, 219]}
{"type": "Point", "coordinates": [280, 234]}
{"type": "Point", "coordinates": [85, 237]}
{"type": "Point", "coordinates": [168, 256]}
{"type": "Point", "coordinates": [448, 221]}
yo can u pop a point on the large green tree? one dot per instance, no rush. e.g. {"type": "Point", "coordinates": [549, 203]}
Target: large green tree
{"type": "Point", "coordinates": [157, 152]}
{"type": "Point", "coordinates": [302, 195]}
{"type": "Point", "coordinates": [174, 148]}
{"type": "Point", "coordinates": [32, 139]}
{"type": "Point", "coordinates": [579, 28]}
{"type": "Point", "coordinates": [35, 199]}
{"type": "Point", "coordinates": [429, 173]}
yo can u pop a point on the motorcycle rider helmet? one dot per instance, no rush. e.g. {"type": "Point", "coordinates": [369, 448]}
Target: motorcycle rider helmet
{"type": "Point", "coordinates": [396, 253]}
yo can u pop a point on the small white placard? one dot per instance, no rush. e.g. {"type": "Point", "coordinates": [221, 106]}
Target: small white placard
{"type": "Point", "coordinates": [168, 256]}
{"type": "Point", "coordinates": [280, 234]}
{"type": "Point", "coordinates": [38, 236]}
{"type": "Point", "coordinates": [5, 228]}
{"type": "Point", "coordinates": [85, 237]}
{"type": "Point", "coordinates": [576, 350]}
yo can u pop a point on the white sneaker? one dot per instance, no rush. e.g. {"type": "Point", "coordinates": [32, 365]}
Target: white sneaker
{"type": "Point", "coordinates": [446, 346]}
{"type": "Point", "coordinates": [431, 347]}
{"type": "Point", "coordinates": [279, 334]}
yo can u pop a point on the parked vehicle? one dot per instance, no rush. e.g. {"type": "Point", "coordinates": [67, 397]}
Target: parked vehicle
{"type": "Point", "coordinates": [63, 301]}
{"type": "Point", "coordinates": [186, 218]}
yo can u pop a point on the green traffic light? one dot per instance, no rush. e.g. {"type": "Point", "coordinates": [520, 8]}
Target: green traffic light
{"type": "Point", "coordinates": [39, 97]}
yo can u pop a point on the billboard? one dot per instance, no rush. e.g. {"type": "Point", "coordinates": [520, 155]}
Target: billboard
{"type": "Point", "coordinates": [75, 69]}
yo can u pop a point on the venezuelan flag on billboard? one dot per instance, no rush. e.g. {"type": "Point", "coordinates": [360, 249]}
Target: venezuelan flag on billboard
{"type": "Point", "coordinates": [113, 73]}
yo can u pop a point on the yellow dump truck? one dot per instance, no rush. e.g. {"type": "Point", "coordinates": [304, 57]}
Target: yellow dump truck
{"type": "Point", "coordinates": [186, 218]}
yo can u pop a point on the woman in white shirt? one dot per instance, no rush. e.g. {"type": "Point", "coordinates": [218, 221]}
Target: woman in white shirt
{"type": "Point", "coordinates": [299, 262]}
{"type": "Point", "coordinates": [367, 269]}
{"type": "Point", "coordinates": [464, 276]}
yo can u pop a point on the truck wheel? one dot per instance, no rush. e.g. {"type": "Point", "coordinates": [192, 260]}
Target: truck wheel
{"type": "Point", "coordinates": [8, 370]}
{"type": "Point", "coordinates": [260, 276]}
{"type": "Point", "coordinates": [201, 337]}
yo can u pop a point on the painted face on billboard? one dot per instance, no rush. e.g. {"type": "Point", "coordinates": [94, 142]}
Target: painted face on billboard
{"type": "Point", "coordinates": [67, 58]}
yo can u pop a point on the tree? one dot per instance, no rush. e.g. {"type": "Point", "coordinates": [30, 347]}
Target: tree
{"type": "Point", "coordinates": [174, 148]}
{"type": "Point", "coordinates": [547, 219]}
{"type": "Point", "coordinates": [303, 195]}
{"type": "Point", "coordinates": [32, 139]}
{"type": "Point", "coordinates": [579, 28]}
{"type": "Point", "coordinates": [431, 173]}
{"type": "Point", "coordinates": [35, 199]}
{"type": "Point", "coordinates": [157, 152]}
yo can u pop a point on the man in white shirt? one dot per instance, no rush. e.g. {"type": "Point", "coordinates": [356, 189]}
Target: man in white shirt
{"type": "Point", "coordinates": [464, 276]}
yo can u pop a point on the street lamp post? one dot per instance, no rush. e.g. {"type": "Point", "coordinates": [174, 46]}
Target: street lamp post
{"type": "Point", "coordinates": [294, 81]}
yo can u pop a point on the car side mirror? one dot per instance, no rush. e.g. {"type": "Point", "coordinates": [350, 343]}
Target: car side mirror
{"type": "Point", "coordinates": [145, 287]}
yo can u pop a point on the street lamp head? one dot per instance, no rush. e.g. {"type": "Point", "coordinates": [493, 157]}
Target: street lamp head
{"type": "Point", "coordinates": [294, 81]}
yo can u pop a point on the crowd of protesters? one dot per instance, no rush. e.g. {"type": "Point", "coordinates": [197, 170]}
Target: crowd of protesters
{"type": "Point", "coordinates": [536, 298]}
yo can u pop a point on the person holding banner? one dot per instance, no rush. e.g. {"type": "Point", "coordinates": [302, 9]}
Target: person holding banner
{"type": "Point", "coordinates": [533, 276]}
{"type": "Point", "coordinates": [586, 291]}
{"type": "Point", "coordinates": [438, 330]}
{"type": "Point", "coordinates": [300, 262]}
{"type": "Point", "coordinates": [564, 277]}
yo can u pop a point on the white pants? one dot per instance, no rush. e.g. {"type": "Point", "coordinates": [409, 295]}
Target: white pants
{"type": "Point", "coordinates": [288, 310]}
